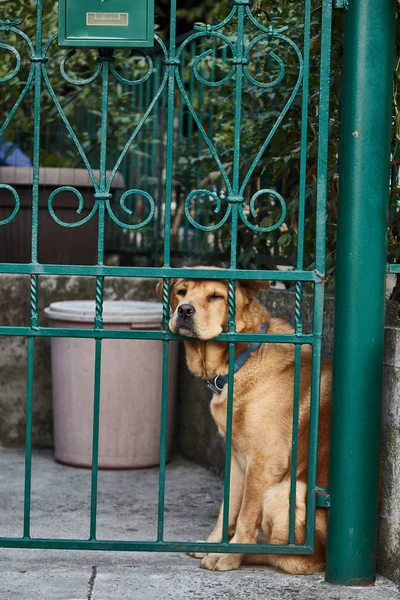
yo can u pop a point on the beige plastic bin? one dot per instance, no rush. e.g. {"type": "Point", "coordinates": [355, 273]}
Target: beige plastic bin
{"type": "Point", "coordinates": [130, 398]}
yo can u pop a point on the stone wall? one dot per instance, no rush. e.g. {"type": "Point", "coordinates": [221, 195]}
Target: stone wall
{"type": "Point", "coordinates": [389, 532]}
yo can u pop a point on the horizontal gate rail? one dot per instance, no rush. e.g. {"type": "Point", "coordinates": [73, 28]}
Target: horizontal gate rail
{"type": "Point", "coordinates": [150, 334]}
{"type": "Point", "coordinates": [159, 546]}
{"type": "Point", "coordinates": [160, 272]}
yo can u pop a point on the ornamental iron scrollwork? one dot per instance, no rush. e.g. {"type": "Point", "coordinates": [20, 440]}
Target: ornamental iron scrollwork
{"type": "Point", "coordinates": [238, 60]}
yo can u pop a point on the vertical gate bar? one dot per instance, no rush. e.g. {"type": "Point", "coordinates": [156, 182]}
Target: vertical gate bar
{"type": "Point", "coordinates": [28, 439]}
{"type": "Point", "coordinates": [172, 65]}
{"type": "Point", "coordinates": [164, 414]}
{"type": "Point", "coordinates": [95, 440]}
{"type": "Point", "coordinates": [233, 261]}
{"type": "Point", "coordinates": [105, 57]}
{"type": "Point", "coordinates": [37, 65]}
{"type": "Point", "coordinates": [97, 384]}
{"type": "Point", "coordinates": [304, 133]}
{"type": "Point", "coordinates": [295, 444]}
{"type": "Point", "coordinates": [320, 248]}
{"type": "Point", "coordinates": [163, 441]}
{"type": "Point", "coordinates": [318, 319]}
{"type": "Point", "coordinates": [300, 264]}
{"type": "Point", "coordinates": [228, 452]}
{"type": "Point", "coordinates": [323, 139]}
{"type": "Point", "coordinates": [237, 130]}
{"type": "Point", "coordinates": [37, 62]}
{"type": "Point", "coordinates": [29, 403]}
{"type": "Point", "coordinates": [229, 410]}
{"type": "Point", "coordinates": [360, 291]}
{"type": "Point", "coordinates": [97, 387]}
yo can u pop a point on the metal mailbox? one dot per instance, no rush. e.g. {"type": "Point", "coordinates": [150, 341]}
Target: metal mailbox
{"type": "Point", "coordinates": [106, 23]}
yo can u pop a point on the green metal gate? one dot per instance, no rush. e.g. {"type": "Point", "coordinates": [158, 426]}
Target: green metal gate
{"type": "Point", "coordinates": [233, 209]}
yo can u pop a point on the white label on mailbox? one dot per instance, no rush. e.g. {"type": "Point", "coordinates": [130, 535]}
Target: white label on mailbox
{"type": "Point", "coordinates": [107, 19]}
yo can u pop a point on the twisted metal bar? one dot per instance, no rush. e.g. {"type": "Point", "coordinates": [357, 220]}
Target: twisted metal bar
{"type": "Point", "coordinates": [98, 320]}
{"type": "Point", "coordinates": [34, 299]}
{"type": "Point", "coordinates": [298, 308]}
{"type": "Point", "coordinates": [165, 302]}
{"type": "Point", "coordinates": [231, 306]}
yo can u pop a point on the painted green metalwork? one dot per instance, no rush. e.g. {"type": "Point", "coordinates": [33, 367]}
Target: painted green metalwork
{"type": "Point", "coordinates": [360, 291]}
{"type": "Point", "coordinates": [90, 24]}
{"type": "Point", "coordinates": [235, 202]}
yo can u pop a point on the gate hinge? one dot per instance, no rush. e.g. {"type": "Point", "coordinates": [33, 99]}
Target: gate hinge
{"type": "Point", "coordinates": [322, 497]}
{"type": "Point", "coordinates": [341, 4]}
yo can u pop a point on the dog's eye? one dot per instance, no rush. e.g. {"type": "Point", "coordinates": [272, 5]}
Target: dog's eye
{"type": "Point", "coordinates": [214, 297]}
{"type": "Point", "coordinates": [181, 293]}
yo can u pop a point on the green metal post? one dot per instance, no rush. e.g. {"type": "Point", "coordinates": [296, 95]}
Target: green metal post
{"type": "Point", "coordinates": [360, 291]}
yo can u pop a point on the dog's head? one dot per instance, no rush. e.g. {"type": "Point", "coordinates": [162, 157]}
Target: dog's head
{"type": "Point", "coordinates": [200, 306]}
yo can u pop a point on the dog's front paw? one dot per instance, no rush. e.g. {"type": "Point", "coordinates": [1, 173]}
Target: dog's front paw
{"type": "Point", "coordinates": [197, 554]}
{"type": "Point", "coordinates": [221, 562]}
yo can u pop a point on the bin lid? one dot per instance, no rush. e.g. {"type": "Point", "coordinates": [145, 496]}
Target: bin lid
{"type": "Point", "coordinates": [114, 311]}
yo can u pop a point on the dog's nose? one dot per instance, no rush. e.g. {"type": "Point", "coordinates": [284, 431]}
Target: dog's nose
{"type": "Point", "coordinates": [186, 310]}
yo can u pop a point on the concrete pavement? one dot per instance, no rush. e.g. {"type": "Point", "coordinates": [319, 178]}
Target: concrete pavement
{"type": "Point", "coordinates": [127, 509]}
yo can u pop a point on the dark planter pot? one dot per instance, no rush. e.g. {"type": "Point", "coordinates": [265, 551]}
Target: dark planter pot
{"type": "Point", "coordinates": [56, 244]}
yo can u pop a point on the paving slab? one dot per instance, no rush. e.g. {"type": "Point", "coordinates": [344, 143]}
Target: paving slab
{"type": "Point", "coordinates": [127, 510]}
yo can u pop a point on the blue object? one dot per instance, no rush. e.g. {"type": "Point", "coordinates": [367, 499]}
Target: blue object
{"type": "Point", "coordinates": [12, 156]}
{"type": "Point", "coordinates": [221, 380]}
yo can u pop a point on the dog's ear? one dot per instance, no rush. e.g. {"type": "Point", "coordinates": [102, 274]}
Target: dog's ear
{"type": "Point", "coordinates": [251, 286]}
{"type": "Point", "coordinates": [159, 288]}
{"type": "Point", "coordinates": [160, 285]}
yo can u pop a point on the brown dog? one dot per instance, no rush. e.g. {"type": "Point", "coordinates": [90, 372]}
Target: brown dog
{"type": "Point", "coordinates": [262, 421]}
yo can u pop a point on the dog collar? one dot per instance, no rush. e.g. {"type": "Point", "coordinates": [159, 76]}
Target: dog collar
{"type": "Point", "coordinates": [216, 385]}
